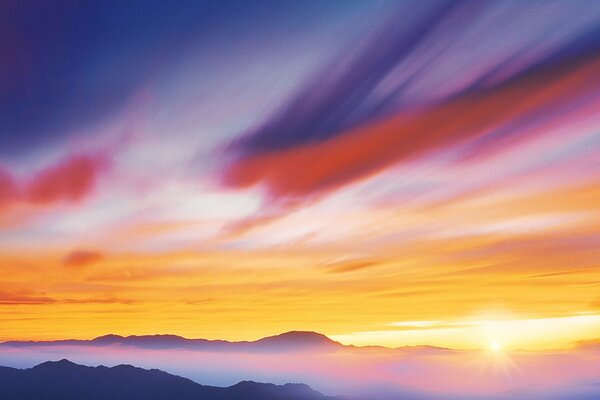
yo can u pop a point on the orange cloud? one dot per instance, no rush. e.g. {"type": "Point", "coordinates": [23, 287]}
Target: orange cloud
{"type": "Point", "coordinates": [315, 168]}
{"type": "Point", "coordinates": [81, 258]}
{"type": "Point", "coordinates": [351, 266]}
{"type": "Point", "coordinates": [23, 297]}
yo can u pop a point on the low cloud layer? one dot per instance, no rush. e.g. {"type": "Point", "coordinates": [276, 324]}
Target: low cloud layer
{"type": "Point", "coordinates": [372, 373]}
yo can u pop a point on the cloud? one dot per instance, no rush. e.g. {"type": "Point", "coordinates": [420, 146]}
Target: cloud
{"type": "Point", "coordinates": [385, 101]}
{"type": "Point", "coordinates": [34, 298]}
{"type": "Point", "coordinates": [81, 258]}
{"type": "Point", "coordinates": [24, 297]}
{"type": "Point", "coordinates": [351, 266]}
{"type": "Point", "coordinates": [340, 96]}
{"type": "Point", "coordinates": [99, 300]}
{"type": "Point", "coordinates": [315, 168]}
{"type": "Point", "coordinates": [69, 180]}
{"type": "Point", "coordinates": [392, 70]}
{"type": "Point", "coordinates": [8, 189]}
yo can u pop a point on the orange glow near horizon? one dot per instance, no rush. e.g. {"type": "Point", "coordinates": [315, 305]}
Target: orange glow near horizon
{"type": "Point", "coordinates": [394, 301]}
{"type": "Point", "coordinates": [487, 266]}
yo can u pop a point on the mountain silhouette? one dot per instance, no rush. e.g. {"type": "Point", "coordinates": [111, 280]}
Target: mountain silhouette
{"type": "Point", "coordinates": [289, 341]}
{"type": "Point", "coordinates": [65, 380]}
{"type": "Point", "coordinates": [296, 339]}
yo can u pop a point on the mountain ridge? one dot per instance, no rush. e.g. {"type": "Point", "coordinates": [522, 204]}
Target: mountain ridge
{"type": "Point", "coordinates": [292, 340]}
{"type": "Point", "coordinates": [66, 380]}
{"type": "Point", "coordinates": [287, 341]}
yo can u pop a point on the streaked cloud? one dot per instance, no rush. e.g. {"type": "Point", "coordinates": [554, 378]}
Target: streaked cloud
{"type": "Point", "coordinates": [338, 130]}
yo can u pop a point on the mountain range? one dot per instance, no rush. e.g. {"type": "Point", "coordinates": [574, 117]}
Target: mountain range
{"type": "Point", "coordinates": [286, 342]}
{"type": "Point", "coordinates": [289, 341]}
{"type": "Point", "coordinates": [65, 380]}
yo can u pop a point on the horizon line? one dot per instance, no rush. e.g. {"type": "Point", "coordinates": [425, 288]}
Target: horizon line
{"type": "Point", "coordinates": [573, 345]}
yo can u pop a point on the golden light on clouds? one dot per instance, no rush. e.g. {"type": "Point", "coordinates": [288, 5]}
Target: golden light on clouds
{"type": "Point", "coordinates": [407, 297]}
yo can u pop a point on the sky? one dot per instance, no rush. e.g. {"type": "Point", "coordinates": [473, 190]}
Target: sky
{"type": "Point", "coordinates": [386, 173]}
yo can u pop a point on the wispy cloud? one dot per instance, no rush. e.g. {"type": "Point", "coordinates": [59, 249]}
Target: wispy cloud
{"type": "Point", "coordinates": [339, 130]}
{"type": "Point", "coordinates": [69, 180]}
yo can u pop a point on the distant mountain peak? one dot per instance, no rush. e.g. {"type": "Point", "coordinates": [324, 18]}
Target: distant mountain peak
{"type": "Point", "coordinates": [155, 336]}
{"type": "Point", "coordinates": [291, 390]}
{"type": "Point", "coordinates": [63, 361]}
{"type": "Point", "coordinates": [108, 337]}
{"type": "Point", "coordinates": [302, 336]}
{"type": "Point", "coordinates": [60, 364]}
{"type": "Point", "coordinates": [295, 339]}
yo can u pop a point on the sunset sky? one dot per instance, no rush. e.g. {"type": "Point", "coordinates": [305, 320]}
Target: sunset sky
{"type": "Point", "coordinates": [386, 173]}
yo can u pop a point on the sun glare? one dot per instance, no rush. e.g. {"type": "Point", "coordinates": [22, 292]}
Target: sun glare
{"type": "Point", "coordinates": [495, 346]}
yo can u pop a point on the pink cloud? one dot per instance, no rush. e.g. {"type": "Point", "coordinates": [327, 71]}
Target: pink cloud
{"type": "Point", "coordinates": [69, 180]}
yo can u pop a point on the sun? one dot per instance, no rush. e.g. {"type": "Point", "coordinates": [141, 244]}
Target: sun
{"type": "Point", "coordinates": [495, 346]}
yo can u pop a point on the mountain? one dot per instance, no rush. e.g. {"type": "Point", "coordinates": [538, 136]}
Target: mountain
{"type": "Point", "coordinates": [289, 341]}
{"type": "Point", "coordinates": [64, 380]}
{"type": "Point", "coordinates": [296, 340]}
